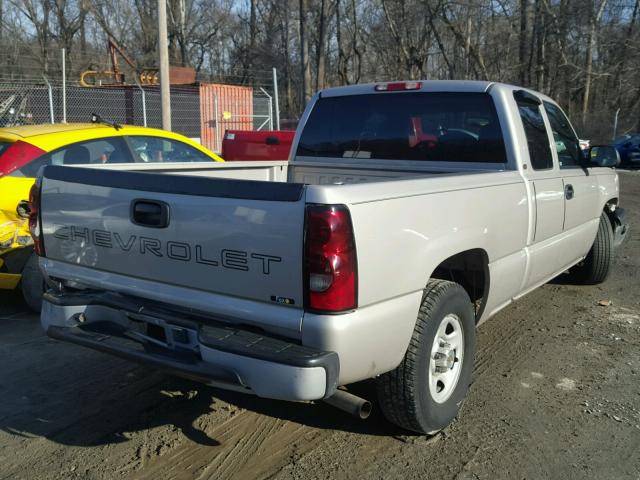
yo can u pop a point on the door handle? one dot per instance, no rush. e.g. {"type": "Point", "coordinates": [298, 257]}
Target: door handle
{"type": "Point", "coordinates": [568, 191]}
{"type": "Point", "coordinates": [149, 213]}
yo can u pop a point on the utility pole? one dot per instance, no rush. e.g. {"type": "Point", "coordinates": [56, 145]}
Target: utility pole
{"type": "Point", "coordinates": [163, 47]}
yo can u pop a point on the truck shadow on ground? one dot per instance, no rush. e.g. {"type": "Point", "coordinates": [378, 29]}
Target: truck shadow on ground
{"type": "Point", "coordinates": [75, 396]}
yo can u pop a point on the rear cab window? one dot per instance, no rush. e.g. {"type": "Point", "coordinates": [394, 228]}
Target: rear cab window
{"type": "Point", "coordinates": [422, 126]}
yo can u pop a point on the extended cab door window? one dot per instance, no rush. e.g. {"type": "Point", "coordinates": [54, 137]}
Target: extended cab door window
{"type": "Point", "coordinates": [536, 133]}
{"type": "Point", "coordinates": [582, 195]}
{"type": "Point", "coordinates": [103, 150]}
{"type": "Point", "coordinates": [149, 149]}
{"type": "Point", "coordinates": [545, 180]}
{"type": "Point", "coordinates": [567, 145]}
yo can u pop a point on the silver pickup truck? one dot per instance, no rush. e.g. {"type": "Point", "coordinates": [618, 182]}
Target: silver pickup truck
{"type": "Point", "coordinates": [407, 214]}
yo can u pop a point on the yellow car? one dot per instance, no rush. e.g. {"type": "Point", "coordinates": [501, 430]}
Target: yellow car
{"type": "Point", "coordinates": [24, 149]}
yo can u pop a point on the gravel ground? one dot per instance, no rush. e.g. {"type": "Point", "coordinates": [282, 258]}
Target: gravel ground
{"type": "Point", "coordinates": [555, 394]}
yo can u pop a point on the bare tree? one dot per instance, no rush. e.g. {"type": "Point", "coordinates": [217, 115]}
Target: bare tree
{"type": "Point", "coordinates": [583, 52]}
{"type": "Point", "coordinates": [38, 14]}
{"type": "Point", "coordinates": [522, 51]}
{"type": "Point", "coordinates": [594, 21]}
{"type": "Point", "coordinates": [321, 57]}
{"type": "Point", "coordinates": [304, 54]}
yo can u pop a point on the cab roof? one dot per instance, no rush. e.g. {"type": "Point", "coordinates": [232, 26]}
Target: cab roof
{"type": "Point", "coordinates": [472, 86]}
{"type": "Point", "coordinates": [425, 86]}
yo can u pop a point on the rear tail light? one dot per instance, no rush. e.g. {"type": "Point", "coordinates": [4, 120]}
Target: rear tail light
{"type": "Point", "coordinates": [398, 86]}
{"type": "Point", "coordinates": [18, 154]}
{"type": "Point", "coordinates": [330, 260]}
{"type": "Point", "coordinates": [35, 225]}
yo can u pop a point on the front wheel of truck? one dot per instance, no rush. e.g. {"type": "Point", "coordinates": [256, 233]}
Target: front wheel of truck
{"type": "Point", "coordinates": [32, 284]}
{"type": "Point", "coordinates": [425, 392]}
{"type": "Point", "coordinates": [596, 266]}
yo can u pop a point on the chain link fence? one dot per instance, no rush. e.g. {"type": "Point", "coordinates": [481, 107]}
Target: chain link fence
{"type": "Point", "coordinates": [202, 111]}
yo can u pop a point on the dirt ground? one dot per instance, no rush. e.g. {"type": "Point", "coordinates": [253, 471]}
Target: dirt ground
{"type": "Point", "coordinates": [555, 394]}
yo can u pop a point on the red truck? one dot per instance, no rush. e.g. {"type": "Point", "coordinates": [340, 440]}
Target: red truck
{"type": "Point", "coordinates": [257, 145]}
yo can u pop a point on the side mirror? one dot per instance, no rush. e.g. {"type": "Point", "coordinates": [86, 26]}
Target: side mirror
{"type": "Point", "coordinates": [604, 156]}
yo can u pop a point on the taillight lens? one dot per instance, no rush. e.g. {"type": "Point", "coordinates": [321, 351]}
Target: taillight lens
{"type": "Point", "coordinates": [17, 155]}
{"type": "Point", "coordinates": [35, 227]}
{"type": "Point", "coordinates": [330, 259]}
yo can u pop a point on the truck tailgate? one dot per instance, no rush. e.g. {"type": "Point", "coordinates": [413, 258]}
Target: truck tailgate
{"type": "Point", "coordinates": [231, 237]}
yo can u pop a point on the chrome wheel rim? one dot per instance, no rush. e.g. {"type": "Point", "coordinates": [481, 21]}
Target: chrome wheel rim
{"type": "Point", "coordinates": [447, 355]}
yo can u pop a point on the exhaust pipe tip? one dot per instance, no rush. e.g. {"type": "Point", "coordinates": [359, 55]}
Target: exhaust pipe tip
{"type": "Point", "coordinates": [365, 410]}
{"type": "Point", "coordinates": [350, 403]}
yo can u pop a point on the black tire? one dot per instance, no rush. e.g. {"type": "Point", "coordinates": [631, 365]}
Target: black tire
{"type": "Point", "coordinates": [404, 394]}
{"type": "Point", "coordinates": [597, 264]}
{"type": "Point", "coordinates": [32, 284]}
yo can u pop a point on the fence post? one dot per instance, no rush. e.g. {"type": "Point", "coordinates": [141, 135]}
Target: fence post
{"type": "Point", "coordinates": [615, 124]}
{"type": "Point", "coordinates": [269, 119]}
{"type": "Point", "coordinates": [51, 115]}
{"type": "Point", "coordinates": [144, 104]}
{"type": "Point", "coordinates": [217, 120]}
{"type": "Point", "coordinates": [64, 87]}
{"type": "Point", "coordinates": [275, 98]}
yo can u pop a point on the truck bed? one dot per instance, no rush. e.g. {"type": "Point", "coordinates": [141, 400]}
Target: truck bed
{"type": "Point", "coordinates": [311, 173]}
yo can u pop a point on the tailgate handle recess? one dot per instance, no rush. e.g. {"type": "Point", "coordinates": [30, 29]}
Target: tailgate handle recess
{"type": "Point", "coordinates": [272, 141]}
{"type": "Point", "coordinates": [150, 213]}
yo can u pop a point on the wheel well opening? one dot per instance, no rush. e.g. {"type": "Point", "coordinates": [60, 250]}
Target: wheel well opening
{"type": "Point", "coordinates": [609, 207]}
{"type": "Point", "coordinates": [470, 269]}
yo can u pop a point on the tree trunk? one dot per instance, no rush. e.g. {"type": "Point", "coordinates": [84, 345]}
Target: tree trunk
{"type": "Point", "coordinates": [617, 84]}
{"type": "Point", "coordinates": [522, 51]}
{"type": "Point", "coordinates": [253, 32]}
{"type": "Point", "coordinates": [284, 36]}
{"type": "Point", "coordinates": [182, 29]}
{"type": "Point", "coordinates": [342, 64]}
{"type": "Point", "coordinates": [322, 55]}
{"type": "Point", "coordinates": [541, 38]}
{"type": "Point", "coordinates": [467, 47]}
{"type": "Point", "coordinates": [304, 56]}
{"type": "Point", "coordinates": [594, 20]}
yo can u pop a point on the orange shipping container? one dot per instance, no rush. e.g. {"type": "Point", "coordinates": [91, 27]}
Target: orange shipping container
{"type": "Point", "coordinates": [223, 107]}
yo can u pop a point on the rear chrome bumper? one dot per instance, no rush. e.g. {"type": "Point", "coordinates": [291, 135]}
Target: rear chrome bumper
{"type": "Point", "coordinates": [192, 345]}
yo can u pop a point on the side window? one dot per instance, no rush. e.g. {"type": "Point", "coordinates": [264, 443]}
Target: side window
{"type": "Point", "coordinates": [158, 149]}
{"type": "Point", "coordinates": [536, 133]}
{"type": "Point", "coordinates": [565, 139]}
{"type": "Point", "coordinates": [103, 150]}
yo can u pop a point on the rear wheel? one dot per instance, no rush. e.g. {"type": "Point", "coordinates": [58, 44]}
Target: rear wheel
{"type": "Point", "coordinates": [425, 392]}
{"type": "Point", "coordinates": [32, 284]}
{"type": "Point", "coordinates": [597, 264]}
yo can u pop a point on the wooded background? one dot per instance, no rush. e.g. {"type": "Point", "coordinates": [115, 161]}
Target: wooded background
{"type": "Point", "coordinates": [583, 53]}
